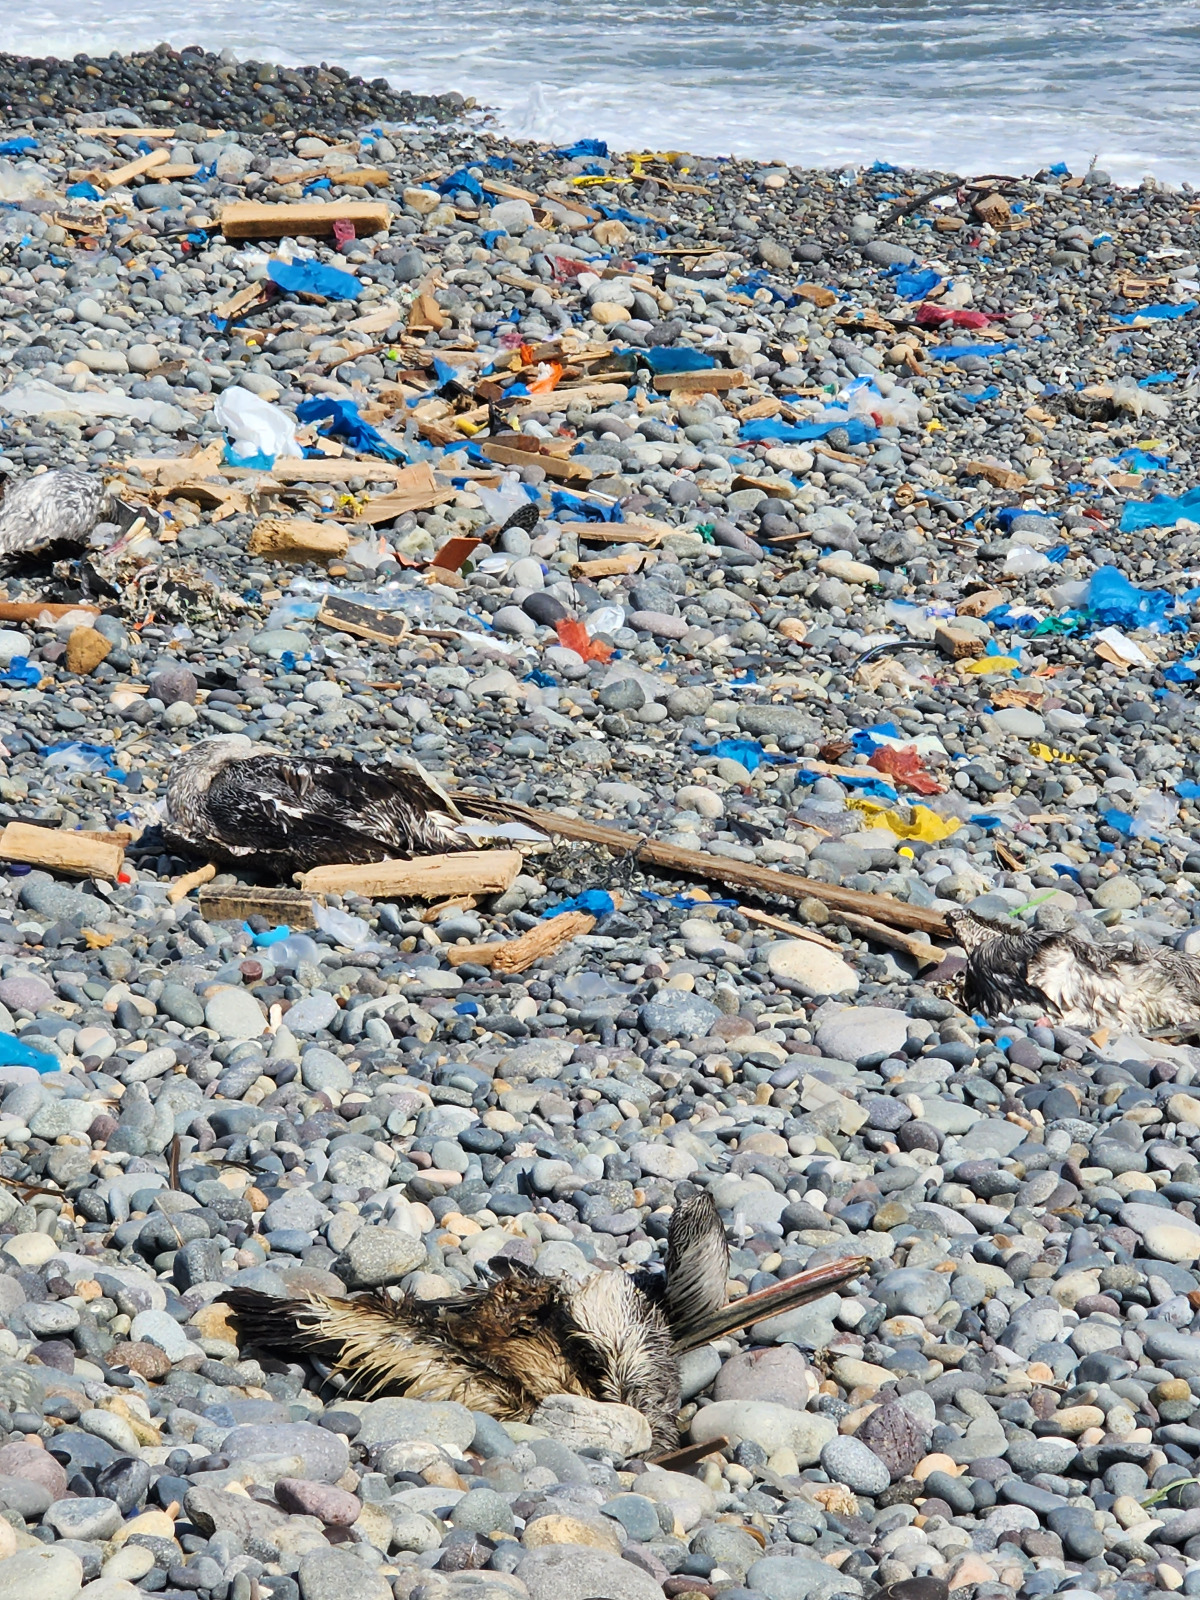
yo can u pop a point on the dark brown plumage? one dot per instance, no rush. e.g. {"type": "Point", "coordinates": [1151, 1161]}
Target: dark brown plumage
{"type": "Point", "coordinates": [231, 801]}
{"type": "Point", "coordinates": [506, 1345]}
{"type": "Point", "coordinates": [1119, 984]}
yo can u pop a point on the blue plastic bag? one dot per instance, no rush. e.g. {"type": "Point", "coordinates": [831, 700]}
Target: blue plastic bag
{"type": "Point", "coordinates": [662, 359]}
{"type": "Point", "coordinates": [1164, 511]}
{"type": "Point", "coordinates": [19, 671]}
{"type": "Point", "coordinates": [314, 277]}
{"type": "Point", "coordinates": [345, 423]}
{"type": "Point", "coordinates": [916, 285]}
{"type": "Point", "coordinates": [1158, 313]}
{"type": "Point", "coordinates": [584, 510]}
{"type": "Point", "coordinates": [75, 755]}
{"type": "Point", "coordinates": [596, 902]}
{"type": "Point", "coordinates": [14, 1053]}
{"type": "Point", "coordinates": [461, 180]}
{"type": "Point", "coordinates": [1113, 601]}
{"type": "Point", "coordinates": [857, 431]}
{"type": "Point", "coordinates": [19, 147]}
{"type": "Point", "coordinates": [748, 751]}
{"type": "Point", "coordinates": [1143, 461]}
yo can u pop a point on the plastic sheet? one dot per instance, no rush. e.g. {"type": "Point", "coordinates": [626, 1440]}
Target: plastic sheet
{"type": "Point", "coordinates": [352, 933]}
{"type": "Point", "coordinates": [924, 824]}
{"type": "Point", "coordinates": [857, 431]}
{"type": "Point", "coordinates": [1156, 313]}
{"type": "Point", "coordinates": [83, 191]}
{"type": "Point", "coordinates": [572, 635]}
{"type": "Point", "coordinates": [1164, 511]}
{"type": "Point", "coordinates": [905, 766]}
{"type": "Point", "coordinates": [985, 665]}
{"type": "Point", "coordinates": [932, 316]}
{"type": "Point", "coordinates": [314, 277]}
{"type": "Point", "coordinates": [955, 352]}
{"type": "Point", "coordinates": [462, 181]}
{"type": "Point", "coordinates": [255, 427]}
{"type": "Point", "coordinates": [916, 285]}
{"type": "Point", "coordinates": [288, 954]}
{"type": "Point", "coordinates": [1112, 600]}
{"type": "Point", "coordinates": [15, 1053]}
{"type": "Point", "coordinates": [344, 422]}
{"type": "Point", "coordinates": [583, 147]}
{"type": "Point", "coordinates": [20, 673]}
{"type": "Point", "coordinates": [583, 510]}
{"type": "Point", "coordinates": [74, 755]}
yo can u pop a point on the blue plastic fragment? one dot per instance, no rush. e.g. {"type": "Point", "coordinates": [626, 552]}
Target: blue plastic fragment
{"type": "Point", "coordinates": [15, 1053]}
{"type": "Point", "coordinates": [81, 191]}
{"type": "Point", "coordinates": [272, 936]}
{"type": "Point", "coordinates": [20, 671]}
{"type": "Point", "coordinates": [344, 422]}
{"type": "Point", "coordinates": [1187, 790]}
{"type": "Point", "coordinates": [596, 902]}
{"type": "Point", "coordinates": [916, 285]}
{"type": "Point", "coordinates": [255, 461]}
{"type": "Point", "coordinates": [747, 751]}
{"type": "Point", "coordinates": [583, 147]}
{"type": "Point", "coordinates": [461, 181]}
{"type": "Point", "coordinates": [314, 277]}
{"type": "Point", "coordinates": [18, 147]}
{"type": "Point", "coordinates": [588, 510]}
{"type": "Point", "coordinates": [1157, 377]}
{"type": "Point", "coordinates": [1164, 511]}
{"type": "Point", "coordinates": [1157, 313]}
{"type": "Point", "coordinates": [857, 432]}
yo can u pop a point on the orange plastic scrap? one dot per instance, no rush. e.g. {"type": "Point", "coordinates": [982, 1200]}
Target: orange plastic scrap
{"type": "Point", "coordinates": [904, 765]}
{"type": "Point", "coordinates": [550, 372]}
{"type": "Point", "coordinates": [572, 635]}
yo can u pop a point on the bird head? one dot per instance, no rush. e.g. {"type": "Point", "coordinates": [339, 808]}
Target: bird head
{"type": "Point", "coordinates": [973, 931]}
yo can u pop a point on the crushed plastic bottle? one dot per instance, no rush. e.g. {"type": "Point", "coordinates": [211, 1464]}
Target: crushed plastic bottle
{"type": "Point", "coordinates": [352, 933]}
{"type": "Point", "coordinates": [296, 950]}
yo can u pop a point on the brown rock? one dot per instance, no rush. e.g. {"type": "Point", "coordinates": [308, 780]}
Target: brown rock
{"type": "Point", "coordinates": [895, 1436]}
{"type": "Point", "coordinates": [30, 1461]}
{"type": "Point", "coordinates": [957, 643]}
{"type": "Point", "coordinates": [562, 1529]}
{"type": "Point", "coordinates": [86, 649]}
{"type": "Point", "coordinates": [147, 1360]}
{"type": "Point", "coordinates": [335, 1507]}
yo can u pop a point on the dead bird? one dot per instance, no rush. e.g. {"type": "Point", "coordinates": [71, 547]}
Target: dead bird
{"type": "Point", "coordinates": [1119, 984]}
{"type": "Point", "coordinates": [60, 507]}
{"type": "Point", "coordinates": [229, 800]}
{"type": "Point", "coordinates": [506, 1344]}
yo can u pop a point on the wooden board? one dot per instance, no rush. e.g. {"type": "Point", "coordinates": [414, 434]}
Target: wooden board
{"type": "Point", "coordinates": [296, 539]}
{"type": "Point", "coordinates": [365, 622]}
{"type": "Point", "coordinates": [714, 382]}
{"type": "Point", "coordinates": [132, 169]}
{"type": "Point", "coordinates": [250, 219]}
{"type": "Point", "coordinates": [416, 490]}
{"type": "Point", "coordinates": [288, 906]}
{"type": "Point", "coordinates": [562, 471]}
{"type": "Point", "coordinates": [31, 610]}
{"type": "Point", "coordinates": [479, 872]}
{"type": "Point", "coordinates": [518, 955]}
{"type": "Point", "coordinates": [287, 470]}
{"type": "Point", "coordinates": [62, 851]}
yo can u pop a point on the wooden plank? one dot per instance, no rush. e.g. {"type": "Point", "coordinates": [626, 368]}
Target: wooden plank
{"type": "Point", "coordinates": [61, 851]}
{"type": "Point", "coordinates": [126, 133]}
{"type": "Point", "coordinates": [357, 177]}
{"type": "Point", "coordinates": [619, 532]}
{"type": "Point", "coordinates": [517, 955]}
{"type": "Point", "coordinates": [699, 864]}
{"type": "Point", "coordinates": [712, 382]}
{"type": "Point", "coordinates": [297, 539]}
{"type": "Point", "coordinates": [31, 610]}
{"type": "Point", "coordinates": [120, 176]}
{"type": "Point", "coordinates": [564, 471]}
{"type": "Point", "coordinates": [509, 191]}
{"type": "Point", "coordinates": [416, 490]}
{"type": "Point", "coordinates": [365, 622]}
{"type": "Point", "coordinates": [479, 872]}
{"type": "Point", "coordinates": [609, 566]}
{"type": "Point", "coordinates": [182, 887]}
{"type": "Point", "coordinates": [250, 219]}
{"type": "Point", "coordinates": [288, 906]}
{"type": "Point", "coordinates": [287, 470]}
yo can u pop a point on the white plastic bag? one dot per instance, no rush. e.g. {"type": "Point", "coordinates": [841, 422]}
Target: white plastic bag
{"type": "Point", "coordinates": [254, 426]}
{"type": "Point", "coordinates": [1021, 561]}
{"type": "Point", "coordinates": [502, 502]}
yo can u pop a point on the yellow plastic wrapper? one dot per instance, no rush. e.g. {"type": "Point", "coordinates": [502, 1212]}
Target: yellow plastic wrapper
{"type": "Point", "coordinates": [993, 664]}
{"type": "Point", "coordinates": [925, 824]}
{"type": "Point", "coordinates": [1045, 752]}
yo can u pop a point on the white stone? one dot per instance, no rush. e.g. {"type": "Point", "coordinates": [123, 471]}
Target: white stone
{"type": "Point", "coordinates": [816, 970]}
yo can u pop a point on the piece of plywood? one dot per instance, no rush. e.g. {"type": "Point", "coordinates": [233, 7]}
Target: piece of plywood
{"type": "Point", "coordinates": [711, 382]}
{"type": "Point", "coordinates": [365, 622]}
{"type": "Point", "coordinates": [60, 851]}
{"type": "Point", "coordinates": [416, 490]}
{"type": "Point", "coordinates": [288, 906]}
{"type": "Point", "coordinates": [297, 539]}
{"type": "Point", "coordinates": [479, 872]}
{"type": "Point", "coordinates": [251, 219]}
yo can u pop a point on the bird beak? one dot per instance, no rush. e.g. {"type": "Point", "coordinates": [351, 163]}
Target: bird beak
{"type": "Point", "coordinates": [772, 1302]}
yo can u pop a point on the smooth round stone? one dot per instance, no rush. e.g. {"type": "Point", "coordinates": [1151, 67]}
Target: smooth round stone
{"type": "Point", "coordinates": [912, 1291]}
{"type": "Point", "coordinates": [235, 1014]}
{"type": "Point", "coordinates": [1019, 722]}
{"type": "Point", "coordinates": [42, 1574]}
{"type": "Point", "coordinates": [545, 609]}
{"type": "Point", "coordinates": [864, 1033]}
{"type": "Point", "coordinates": [636, 1514]}
{"type": "Point", "coordinates": [677, 1013]}
{"type": "Point", "coordinates": [782, 1372]}
{"type": "Point", "coordinates": [799, 1578]}
{"type": "Point", "coordinates": [764, 1422]}
{"type": "Point", "coordinates": [848, 1461]}
{"type": "Point", "coordinates": [336, 1508]}
{"type": "Point", "coordinates": [512, 620]}
{"type": "Point", "coordinates": [24, 992]}
{"type": "Point", "coordinates": [1166, 1234]}
{"type": "Point", "coordinates": [1117, 894]}
{"type": "Point", "coordinates": [173, 685]}
{"type": "Point", "coordinates": [84, 1519]}
{"type": "Point", "coordinates": [812, 968]}
{"type": "Point", "coordinates": [338, 1575]}
{"type": "Point", "coordinates": [181, 1004]}
{"type": "Point", "coordinates": [312, 1015]}
{"type": "Point", "coordinates": [483, 1511]}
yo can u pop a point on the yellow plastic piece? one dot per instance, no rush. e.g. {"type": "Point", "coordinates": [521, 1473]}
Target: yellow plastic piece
{"type": "Point", "coordinates": [1045, 752]}
{"type": "Point", "coordinates": [925, 825]}
{"type": "Point", "coordinates": [984, 664]}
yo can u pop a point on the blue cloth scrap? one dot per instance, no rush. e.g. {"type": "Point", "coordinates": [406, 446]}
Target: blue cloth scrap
{"type": "Point", "coordinates": [596, 902]}
{"type": "Point", "coordinates": [1158, 313]}
{"type": "Point", "coordinates": [314, 277]}
{"type": "Point", "coordinates": [344, 422]}
{"type": "Point", "coordinates": [583, 147]}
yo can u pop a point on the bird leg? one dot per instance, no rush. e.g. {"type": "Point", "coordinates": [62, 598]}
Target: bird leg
{"type": "Point", "coordinates": [772, 1302]}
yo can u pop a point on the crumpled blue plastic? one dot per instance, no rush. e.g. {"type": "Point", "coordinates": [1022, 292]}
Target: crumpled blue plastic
{"type": "Point", "coordinates": [20, 671]}
{"type": "Point", "coordinates": [543, 679]}
{"type": "Point", "coordinates": [1158, 313]}
{"type": "Point", "coordinates": [80, 191]}
{"type": "Point", "coordinates": [1164, 511]}
{"type": "Point", "coordinates": [345, 423]}
{"type": "Point", "coordinates": [871, 788]}
{"type": "Point", "coordinates": [596, 902]}
{"type": "Point", "coordinates": [98, 757]}
{"type": "Point", "coordinates": [858, 432]}
{"type": "Point", "coordinates": [585, 510]}
{"type": "Point", "coordinates": [263, 941]}
{"type": "Point", "coordinates": [620, 214]}
{"type": "Point", "coordinates": [955, 352]}
{"type": "Point", "coordinates": [748, 751]}
{"type": "Point", "coordinates": [865, 741]}
{"type": "Point", "coordinates": [19, 147]}
{"type": "Point", "coordinates": [1144, 461]}
{"type": "Point", "coordinates": [1187, 790]}
{"type": "Point", "coordinates": [990, 393]}
{"type": "Point", "coordinates": [1113, 601]}
{"type": "Point", "coordinates": [1060, 169]}
{"type": "Point", "coordinates": [255, 461]}
{"type": "Point", "coordinates": [1008, 514]}
{"type": "Point", "coordinates": [461, 179]}
{"type": "Point", "coordinates": [15, 1053]}
{"type": "Point", "coordinates": [884, 166]}
{"type": "Point", "coordinates": [314, 277]}
{"type": "Point", "coordinates": [661, 358]}
{"type": "Point", "coordinates": [583, 147]}
{"type": "Point", "coordinates": [1181, 672]}
{"type": "Point", "coordinates": [916, 285]}
{"type": "Point", "coordinates": [1121, 821]}
{"type": "Point", "coordinates": [1157, 377]}
{"type": "Point", "coordinates": [684, 902]}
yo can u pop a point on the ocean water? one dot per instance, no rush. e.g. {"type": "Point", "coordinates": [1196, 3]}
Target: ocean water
{"type": "Point", "coordinates": [975, 86]}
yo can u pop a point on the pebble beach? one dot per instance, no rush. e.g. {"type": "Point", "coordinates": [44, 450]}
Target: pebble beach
{"type": "Point", "coordinates": [859, 543]}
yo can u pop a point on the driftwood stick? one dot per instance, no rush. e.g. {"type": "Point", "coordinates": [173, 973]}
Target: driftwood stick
{"type": "Point", "coordinates": [182, 887]}
{"type": "Point", "coordinates": [880, 908]}
{"type": "Point", "coordinates": [516, 955]}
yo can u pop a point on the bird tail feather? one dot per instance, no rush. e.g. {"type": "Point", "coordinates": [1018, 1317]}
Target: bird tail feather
{"type": "Point", "coordinates": [772, 1302]}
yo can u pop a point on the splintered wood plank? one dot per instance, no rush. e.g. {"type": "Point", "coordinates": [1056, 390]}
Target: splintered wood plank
{"type": "Point", "coordinates": [566, 471]}
{"type": "Point", "coordinates": [480, 872]}
{"type": "Point", "coordinates": [133, 169]}
{"type": "Point", "coordinates": [61, 851]}
{"type": "Point", "coordinates": [296, 539]}
{"type": "Point", "coordinates": [251, 219]}
{"type": "Point", "coordinates": [288, 906]}
{"type": "Point", "coordinates": [517, 955]}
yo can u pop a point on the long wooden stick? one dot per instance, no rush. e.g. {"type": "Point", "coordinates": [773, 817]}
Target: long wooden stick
{"type": "Point", "coordinates": [190, 880]}
{"type": "Point", "coordinates": [881, 908]}
{"type": "Point", "coordinates": [516, 955]}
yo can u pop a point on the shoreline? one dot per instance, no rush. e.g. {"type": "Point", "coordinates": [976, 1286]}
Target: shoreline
{"type": "Point", "coordinates": [809, 530]}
